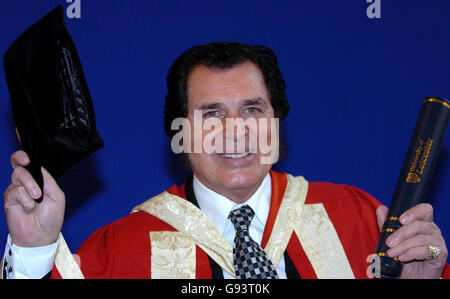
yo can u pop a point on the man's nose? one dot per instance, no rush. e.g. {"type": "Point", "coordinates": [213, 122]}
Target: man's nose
{"type": "Point", "coordinates": [235, 127]}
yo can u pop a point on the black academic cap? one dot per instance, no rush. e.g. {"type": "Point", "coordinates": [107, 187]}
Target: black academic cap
{"type": "Point", "coordinates": [50, 100]}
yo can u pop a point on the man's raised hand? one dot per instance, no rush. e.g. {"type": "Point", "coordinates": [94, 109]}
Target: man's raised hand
{"type": "Point", "coordinates": [32, 224]}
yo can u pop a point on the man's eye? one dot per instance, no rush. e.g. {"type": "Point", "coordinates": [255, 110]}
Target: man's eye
{"type": "Point", "coordinates": [252, 110]}
{"type": "Point", "coordinates": [211, 114]}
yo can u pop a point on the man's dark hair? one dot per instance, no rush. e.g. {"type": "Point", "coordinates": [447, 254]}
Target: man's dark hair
{"type": "Point", "coordinates": [222, 55]}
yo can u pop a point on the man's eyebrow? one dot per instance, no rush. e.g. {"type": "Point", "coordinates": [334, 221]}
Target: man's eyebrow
{"type": "Point", "coordinates": [211, 106]}
{"type": "Point", "coordinates": [244, 103]}
{"type": "Point", "coordinates": [252, 102]}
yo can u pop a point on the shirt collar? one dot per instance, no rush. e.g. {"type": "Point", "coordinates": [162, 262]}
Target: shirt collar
{"type": "Point", "coordinates": [217, 207]}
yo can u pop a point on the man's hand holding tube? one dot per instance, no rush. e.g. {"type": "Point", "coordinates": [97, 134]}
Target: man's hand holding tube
{"type": "Point", "coordinates": [32, 224]}
{"type": "Point", "coordinates": [410, 242]}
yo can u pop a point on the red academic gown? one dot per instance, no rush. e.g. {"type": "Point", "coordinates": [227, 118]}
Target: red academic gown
{"type": "Point", "coordinates": [122, 248]}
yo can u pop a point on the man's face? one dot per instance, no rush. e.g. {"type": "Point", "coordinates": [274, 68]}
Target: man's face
{"type": "Point", "coordinates": [224, 94]}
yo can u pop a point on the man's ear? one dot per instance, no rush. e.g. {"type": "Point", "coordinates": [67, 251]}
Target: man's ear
{"type": "Point", "coordinates": [18, 136]}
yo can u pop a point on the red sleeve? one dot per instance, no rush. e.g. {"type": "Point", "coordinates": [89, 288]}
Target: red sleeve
{"type": "Point", "coordinates": [446, 272]}
{"type": "Point", "coordinates": [96, 256]}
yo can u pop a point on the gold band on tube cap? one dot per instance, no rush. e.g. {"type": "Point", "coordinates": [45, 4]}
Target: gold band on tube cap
{"type": "Point", "coordinates": [389, 230]}
{"type": "Point", "coordinates": [394, 218]}
{"type": "Point", "coordinates": [438, 101]}
{"type": "Point", "coordinates": [384, 254]}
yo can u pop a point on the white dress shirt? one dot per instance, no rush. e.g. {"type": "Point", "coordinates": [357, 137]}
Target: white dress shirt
{"type": "Point", "coordinates": [218, 207]}
{"type": "Point", "coordinates": [36, 262]}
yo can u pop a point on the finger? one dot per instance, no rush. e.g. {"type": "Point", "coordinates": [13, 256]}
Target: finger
{"type": "Point", "coordinates": [415, 253]}
{"type": "Point", "coordinates": [21, 177]}
{"type": "Point", "coordinates": [421, 253]}
{"type": "Point", "coordinates": [77, 260]}
{"type": "Point", "coordinates": [51, 187]}
{"type": "Point", "coordinates": [409, 230]}
{"type": "Point", "coordinates": [423, 211]}
{"type": "Point", "coordinates": [422, 240]}
{"type": "Point", "coordinates": [381, 212]}
{"type": "Point", "coordinates": [18, 195]}
{"type": "Point", "coordinates": [19, 158]}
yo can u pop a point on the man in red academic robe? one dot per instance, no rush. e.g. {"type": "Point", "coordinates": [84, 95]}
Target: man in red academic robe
{"type": "Point", "coordinates": [306, 229]}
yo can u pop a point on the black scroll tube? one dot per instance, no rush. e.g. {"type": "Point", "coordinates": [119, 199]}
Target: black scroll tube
{"type": "Point", "coordinates": [415, 176]}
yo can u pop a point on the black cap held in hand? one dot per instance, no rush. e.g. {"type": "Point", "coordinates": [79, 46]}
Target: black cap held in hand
{"type": "Point", "coordinates": [50, 100]}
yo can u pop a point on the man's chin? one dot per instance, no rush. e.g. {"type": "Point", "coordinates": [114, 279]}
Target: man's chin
{"type": "Point", "coordinates": [241, 179]}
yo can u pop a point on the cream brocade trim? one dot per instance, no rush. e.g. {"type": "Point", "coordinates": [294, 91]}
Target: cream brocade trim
{"type": "Point", "coordinates": [322, 244]}
{"type": "Point", "coordinates": [193, 223]}
{"type": "Point", "coordinates": [173, 255]}
{"type": "Point", "coordinates": [289, 213]}
{"type": "Point", "coordinates": [65, 262]}
{"type": "Point", "coordinates": [314, 229]}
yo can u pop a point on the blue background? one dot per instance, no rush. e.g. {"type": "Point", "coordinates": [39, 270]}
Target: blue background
{"type": "Point", "coordinates": [355, 86]}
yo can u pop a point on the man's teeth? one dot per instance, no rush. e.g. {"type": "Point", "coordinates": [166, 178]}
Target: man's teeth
{"type": "Point", "coordinates": [236, 156]}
